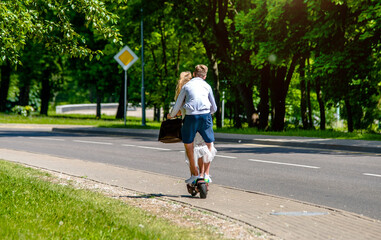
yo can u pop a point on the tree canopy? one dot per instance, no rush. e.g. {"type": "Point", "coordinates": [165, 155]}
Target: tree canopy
{"type": "Point", "coordinates": [275, 63]}
{"type": "Point", "coordinates": [51, 23]}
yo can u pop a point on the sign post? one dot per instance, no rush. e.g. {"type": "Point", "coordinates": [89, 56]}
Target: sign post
{"type": "Point", "coordinates": [126, 57]}
{"type": "Point", "coordinates": [143, 91]}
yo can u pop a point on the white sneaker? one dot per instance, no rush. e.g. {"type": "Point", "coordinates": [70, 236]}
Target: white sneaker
{"type": "Point", "coordinates": [192, 179]}
{"type": "Point", "coordinates": [207, 178]}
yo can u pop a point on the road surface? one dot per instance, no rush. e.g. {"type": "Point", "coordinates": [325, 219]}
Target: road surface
{"type": "Point", "coordinates": [343, 180]}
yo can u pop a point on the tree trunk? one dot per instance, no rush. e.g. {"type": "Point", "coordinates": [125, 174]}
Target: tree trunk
{"type": "Point", "coordinates": [4, 85]}
{"type": "Point", "coordinates": [277, 88]}
{"type": "Point", "coordinates": [217, 94]}
{"type": "Point", "coordinates": [157, 113]}
{"type": "Point", "coordinates": [45, 92]}
{"type": "Point", "coordinates": [217, 47]}
{"type": "Point", "coordinates": [216, 78]}
{"type": "Point", "coordinates": [24, 85]}
{"type": "Point", "coordinates": [24, 95]}
{"type": "Point", "coordinates": [246, 95]}
{"type": "Point", "coordinates": [303, 95]}
{"type": "Point", "coordinates": [321, 104]}
{"type": "Point", "coordinates": [349, 114]}
{"type": "Point", "coordinates": [264, 107]}
{"type": "Point", "coordinates": [99, 100]}
{"type": "Point", "coordinates": [280, 112]}
{"type": "Point", "coordinates": [178, 59]}
{"type": "Point", "coordinates": [164, 48]}
{"type": "Point", "coordinates": [168, 90]}
{"type": "Point", "coordinates": [280, 88]}
{"type": "Point", "coordinates": [237, 118]}
{"type": "Point", "coordinates": [309, 106]}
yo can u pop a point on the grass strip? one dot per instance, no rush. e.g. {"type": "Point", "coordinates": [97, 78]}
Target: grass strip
{"type": "Point", "coordinates": [33, 208]}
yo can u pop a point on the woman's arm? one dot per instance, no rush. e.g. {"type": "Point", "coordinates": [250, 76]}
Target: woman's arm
{"type": "Point", "coordinates": [179, 103]}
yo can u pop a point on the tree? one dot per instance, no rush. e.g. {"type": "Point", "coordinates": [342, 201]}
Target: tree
{"type": "Point", "coordinates": [212, 22]}
{"type": "Point", "coordinates": [4, 84]}
{"type": "Point", "coordinates": [350, 60]}
{"type": "Point", "coordinates": [50, 23]}
{"type": "Point", "coordinates": [274, 32]}
{"type": "Point", "coordinates": [169, 49]}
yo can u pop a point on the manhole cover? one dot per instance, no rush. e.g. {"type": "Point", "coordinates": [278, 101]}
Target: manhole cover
{"type": "Point", "coordinates": [298, 213]}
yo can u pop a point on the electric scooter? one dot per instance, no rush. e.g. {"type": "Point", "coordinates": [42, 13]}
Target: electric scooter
{"type": "Point", "coordinates": [200, 186]}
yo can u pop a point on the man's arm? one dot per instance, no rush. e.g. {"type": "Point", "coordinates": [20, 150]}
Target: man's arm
{"type": "Point", "coordinates": [213, 108]}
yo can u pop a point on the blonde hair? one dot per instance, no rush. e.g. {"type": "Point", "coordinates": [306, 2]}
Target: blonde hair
{"type": "Point", "coordinates": [200, 71]}
{"type": "Point", "coordinates": [184, 78]}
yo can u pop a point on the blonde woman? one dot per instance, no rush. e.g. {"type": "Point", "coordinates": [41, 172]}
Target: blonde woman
{"type": "Point", "coordinates": [201, 152]}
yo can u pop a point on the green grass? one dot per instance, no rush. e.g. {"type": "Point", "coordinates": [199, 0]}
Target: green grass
{"type": "Point", "coordinates": [133, 122]}
{"type": "Point", "coordinates": [76, 119]}
{"type": "Point", "coordinates": [357, 135]}
{"type": "Point", "coordinates": [34, 208]}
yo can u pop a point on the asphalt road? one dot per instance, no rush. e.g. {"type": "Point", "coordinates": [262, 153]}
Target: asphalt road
{"type": "Point", "coordinates": [344, 180]}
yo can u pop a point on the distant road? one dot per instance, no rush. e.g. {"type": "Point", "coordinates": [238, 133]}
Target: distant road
{"type": "Point", "coordinates": [337, 179]}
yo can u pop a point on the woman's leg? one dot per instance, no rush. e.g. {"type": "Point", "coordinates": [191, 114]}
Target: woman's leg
{"type": "Point", "coordinates": [206, 168]}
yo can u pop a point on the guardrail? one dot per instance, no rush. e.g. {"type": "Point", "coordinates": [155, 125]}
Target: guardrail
{"type": "Point", "coordinates": [89, 107]}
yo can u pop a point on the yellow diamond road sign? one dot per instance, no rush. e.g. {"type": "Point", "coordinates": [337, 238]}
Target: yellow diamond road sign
{"type": "Point", "coordinates": [126, 57]}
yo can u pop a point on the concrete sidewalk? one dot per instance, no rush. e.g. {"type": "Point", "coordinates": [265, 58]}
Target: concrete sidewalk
{"type": "Point", "coordinates": [279, 217]}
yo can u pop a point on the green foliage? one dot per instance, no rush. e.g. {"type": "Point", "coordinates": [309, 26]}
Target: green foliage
{"type": "Point", "coordinates": [50, 22]}
{"type": "Point", "coordinates": [169, 50]}
{"type": "Point", "coordinates": [340, 38]}
{"type": "Point", "coordinates": [23, 110]}
{"type": "Point", "coordinates": [236, 39]}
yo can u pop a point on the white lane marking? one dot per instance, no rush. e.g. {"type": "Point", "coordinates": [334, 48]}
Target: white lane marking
{"type": "Point", "coordinates": [155, 148]}
{"type": "Point", "coordinates": [223, 156]}
{"type": "Point", "coordinates": [371, 174]}
{"type": "Point", "coordinates": [43, 138]}
{"type": "Point", "coordinates": [81, 141]}
{"type": "Point", "coordinates": [128, 145]}
{"type": "Point", "coordinates": [280, 163]}
{"type": "Point", "coordinates": [260, 145]}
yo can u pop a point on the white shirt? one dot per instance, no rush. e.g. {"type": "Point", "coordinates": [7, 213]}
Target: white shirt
{"type": "Point", "coordinates": [196, 97]}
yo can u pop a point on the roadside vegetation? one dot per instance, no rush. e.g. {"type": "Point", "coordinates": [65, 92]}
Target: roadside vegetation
{"type": "Point", "coordinates": [134, 122]}
{"type": "Point", "coordinates": [272, 64]}
{"type": "Point", "coordinates": [72, 119]}
{"type": "Point", "coordinates": [32, 207]}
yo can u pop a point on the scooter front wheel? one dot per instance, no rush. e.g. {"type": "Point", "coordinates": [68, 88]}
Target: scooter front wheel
{"type": "Point", "coordinates": [191, 190]}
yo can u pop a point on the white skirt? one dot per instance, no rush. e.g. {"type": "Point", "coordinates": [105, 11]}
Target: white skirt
{"type": "Point", "coordinates": [202, 151]}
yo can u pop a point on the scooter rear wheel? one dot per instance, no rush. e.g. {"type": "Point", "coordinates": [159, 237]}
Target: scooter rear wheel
{"type": "Point", "coordinates": [203, 190]}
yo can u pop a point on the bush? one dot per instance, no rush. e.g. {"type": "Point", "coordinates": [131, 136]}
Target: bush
{"type": "Point", "coordinates": [23, 110]}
